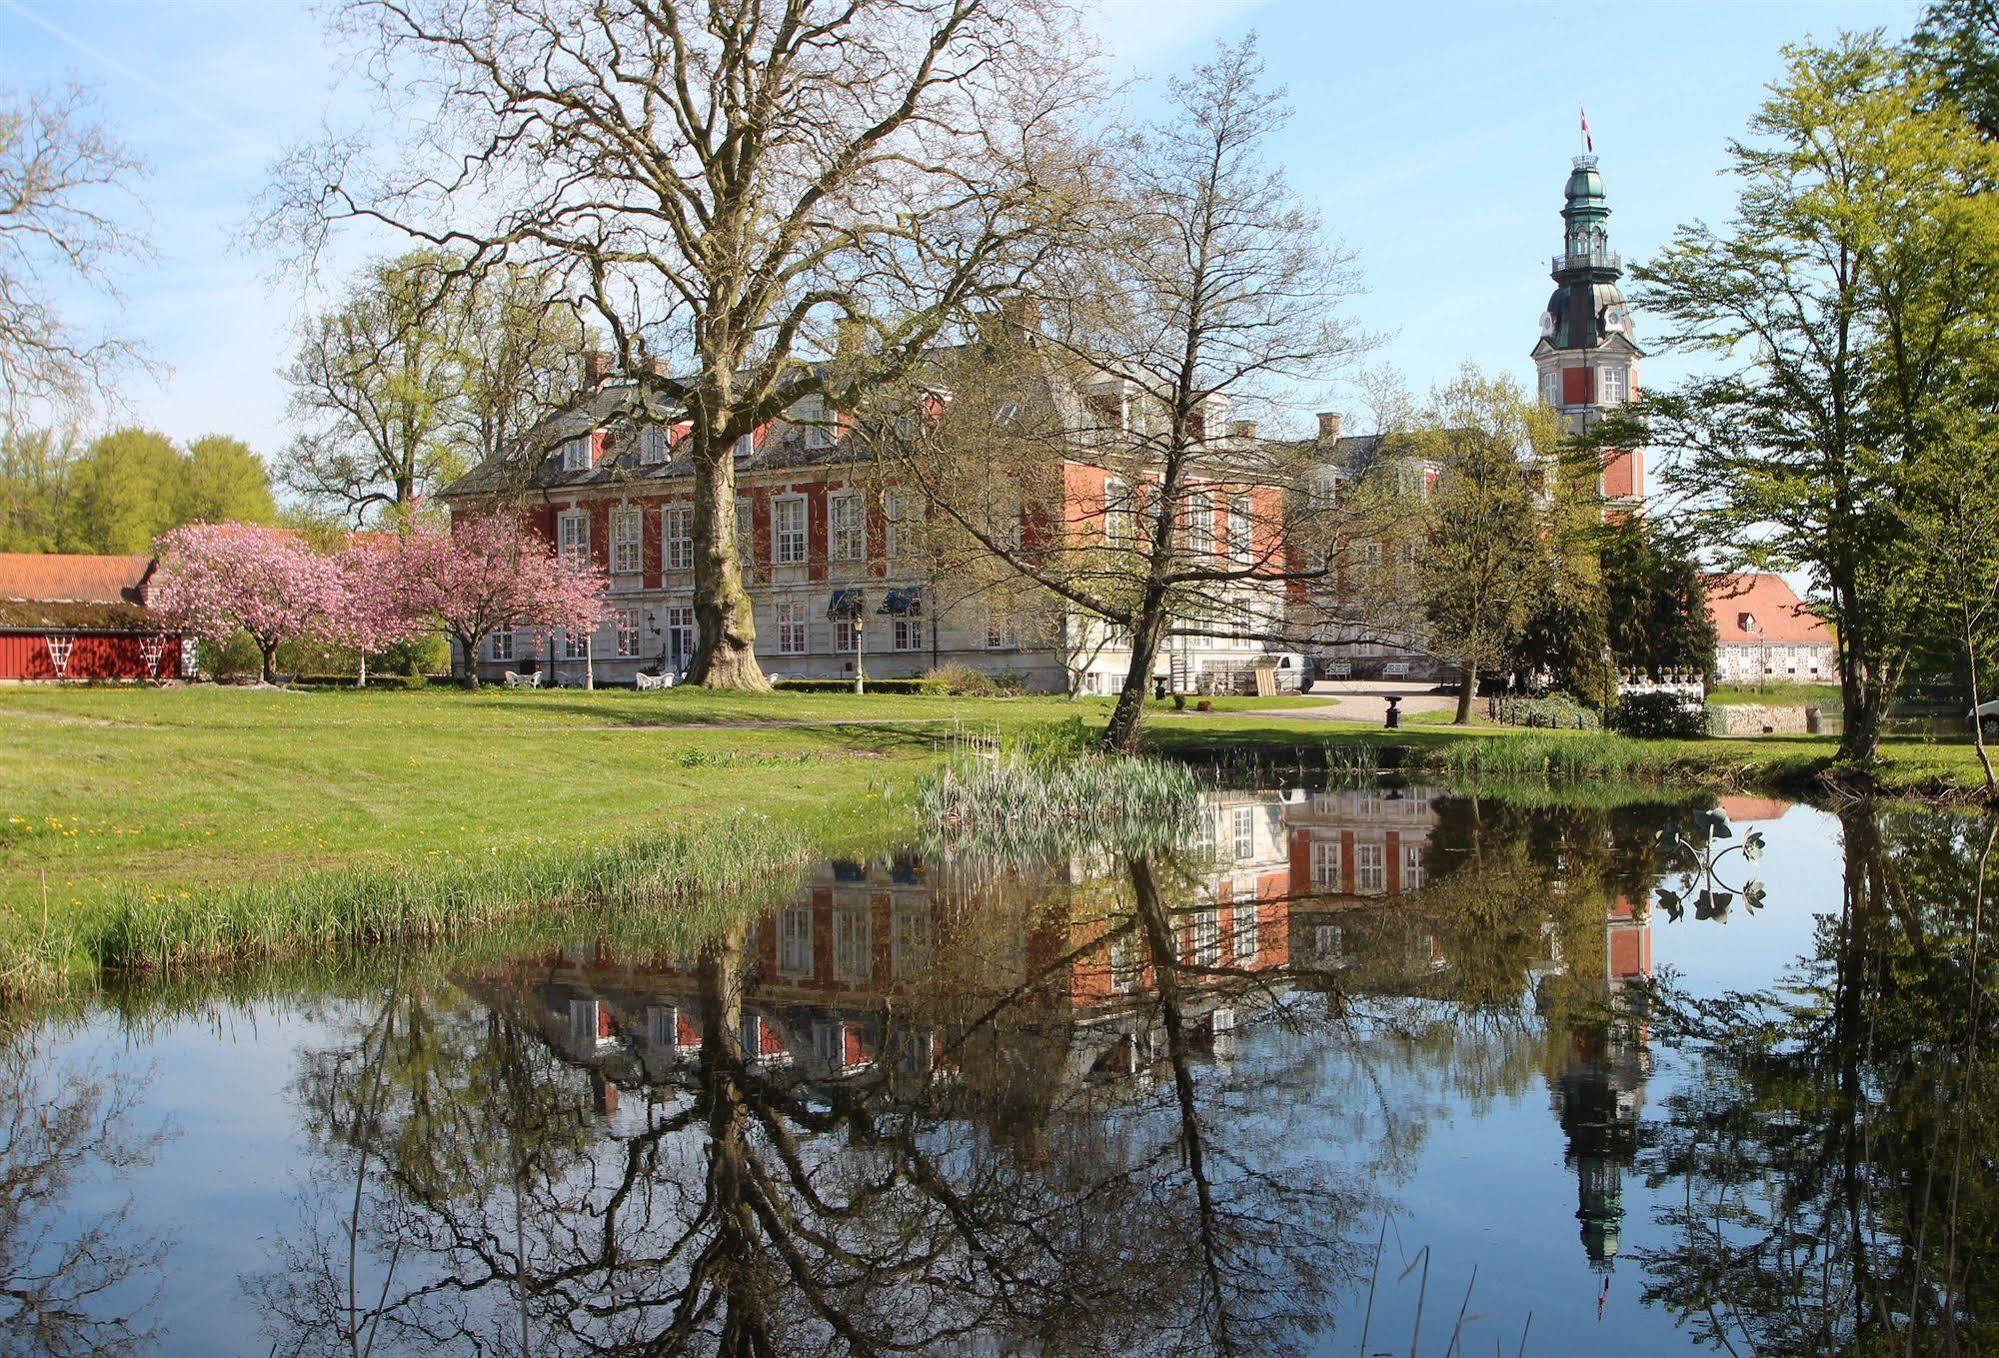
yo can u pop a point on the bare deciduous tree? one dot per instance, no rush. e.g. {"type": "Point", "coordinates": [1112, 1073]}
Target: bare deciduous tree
{"type": "Point", "coordinates": [1209, 286]}
{"type": "Point", "coordinates": [722, 184]}
{"type": "Point", "coordinates": [61, 179]}
{"type": "Point", "coordinates": [420, 373]}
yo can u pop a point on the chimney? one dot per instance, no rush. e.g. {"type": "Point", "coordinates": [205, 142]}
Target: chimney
{"type": "Point", "coordinates": [596, 363]}
{"type": "Point", "coordinates": [1016, 319]}
{"type": "Point", "coordinates": [1329, 426]}
{"type": "Point", "coordinates": [1244, 430]}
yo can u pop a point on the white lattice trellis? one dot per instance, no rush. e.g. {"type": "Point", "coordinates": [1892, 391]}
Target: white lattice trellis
{"type": "Point", "coordinates": [59, 649]}
{"type": "Point", "coordinates": [151, 647]}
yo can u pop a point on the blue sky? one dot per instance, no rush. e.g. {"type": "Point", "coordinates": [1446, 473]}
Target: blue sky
{"type": "Point", "coordinates": [1433, 138]}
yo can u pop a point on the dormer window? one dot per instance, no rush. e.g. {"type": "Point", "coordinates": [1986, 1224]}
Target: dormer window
{"type": "Point", "coordinates": [654, 446]}
{"type": "Point", "coordinates": [576, 453]}
{"type": "Point", "coordinates": [1747, 622]}
{"type": "Point", "coordinates": [1613, 386]}
{"type": "Point", "coordinates": [811, 416]}
{"type": "Point", "coordinates": [746, 446]}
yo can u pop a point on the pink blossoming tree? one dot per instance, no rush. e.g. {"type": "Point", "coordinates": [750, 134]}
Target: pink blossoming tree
{"type": "Point", "coordinates": [491, 571]}
{"type": "Point", "coordinates": [217, 579]}
{"type": "Point", "coordinates": [376, 608]}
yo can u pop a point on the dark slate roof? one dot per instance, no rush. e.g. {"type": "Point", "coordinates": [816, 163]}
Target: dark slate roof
{"type": "Point", "coordinates": [615, 407]}
{"type": "Point", "coordinates": [65, 615]}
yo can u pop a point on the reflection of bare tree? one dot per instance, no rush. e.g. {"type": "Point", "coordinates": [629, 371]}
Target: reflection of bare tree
{"type": "Point", "coordinates": [740, 1206]}
{"type": "Point", "coordinates": [1832, 1160]}
{"type": "Point", "coordinates": [70, 1286]}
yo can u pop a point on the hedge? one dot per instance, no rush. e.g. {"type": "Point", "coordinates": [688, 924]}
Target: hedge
{"type": "Point", "coordinates": [1659, 716]}
{"type": "Point", "coordinates": [931, 687]}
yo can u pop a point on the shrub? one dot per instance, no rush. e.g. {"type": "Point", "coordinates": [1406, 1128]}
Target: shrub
{"type": "Point", "coordinates": [235, 658]}
{"type": "Point", "coordinates": [1659, 716]}
{"type": "Point", "coordinates": [399, 682]}
{"type": "Point", "coordinates": [1557, 711]}
{"type": "Point", "coordinates": [924, 686]}
{"type": "Point", "coordinates": [966, 682]}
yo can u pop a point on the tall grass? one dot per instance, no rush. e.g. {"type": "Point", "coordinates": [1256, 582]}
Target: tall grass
{"type": "Point", "coordinates": [1563, 758]}
{"type": "Point", "coordinates": [1048, 793]}
{"type": "Point", "coordinates": [657, 882]}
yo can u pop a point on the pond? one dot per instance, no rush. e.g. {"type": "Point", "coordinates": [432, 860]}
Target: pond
{"type": "Point", "coordinates": [1356, 1069]}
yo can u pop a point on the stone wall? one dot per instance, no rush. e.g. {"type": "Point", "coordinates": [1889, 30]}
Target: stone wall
{"type": "Point", "coordinates": [1731, 719]}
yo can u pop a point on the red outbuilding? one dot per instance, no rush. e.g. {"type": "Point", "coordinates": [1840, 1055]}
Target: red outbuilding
{"type": "Point", "coordinates": [65, 617]}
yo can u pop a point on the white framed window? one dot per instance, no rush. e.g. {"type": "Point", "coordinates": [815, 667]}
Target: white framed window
{"type": "Point", "coordinates": [1370, 868]}
{"type": "Point", "coordinates": [1241, 543]}
{"type": "Point", "coordinates": [575, 645]}
{"type": "Point", "coordinates": [1245, 833]}
{"type": "Point", "coordinates": [576, 452]}
{"type": "Point", "coordinates": [1200, 524]}
{"type": "Point", "coordinates": [846, 527]}
{"type": "Point", "coordinates": [787, 522]}
{"type": "Point", "coordinates": [677, 537]}
{"type": "Point", "coordinates": [1243, 931]}
{"type": "Point", "coordinates": [1117, 512]}
{"type": "Point", "coordinates": [746, 534]}
{"type": "Point", "coordinates": [1207, 937]}
{"type": "Point", "coordinates": [654, 446]}
{"type": "Point", "coordinates": [572, 537]}
{"type": "Point", "coordinates": [791, 629]}
{"type": "Point", "coordinates": [829, 1045]}
{"type": "Point", "coordinates": [745, 446]}
{"type": "Point", "coordinates": [627, 524]}
{"type": "Point", "coordinates": [1002, 633]}
{"type": "Point", "coordinates": [681, 637]}
{"type": "Point", "coordinates": [662, 1027]}
{"type": "Point", "coordinates": [853, 943]}
{"type": "Point", "coordinates": [588, 1027]}
{"type": "Point", "coordinates": [1610, 386]}
{"type": "Point", "coordinates": [908, 634]}
{"type": "Point", "coordinates": [1326, 864]}
{"type": "Point", "coordinates": [813, 417]}
{"type": "Point", "coordinates": [843, 634]}
{"type": "Point", "coordinates": [794, 941]}
{"type": "Point", "coordinates": [910, 945]}
{"type": "Point", "coordinates": [1551, 387]}
{"type": "Point", "coordinates": [1413, 871]}
{"type": "Point", "coordinates": [895, 526]}
{"type": "Point", "coordinates": [500, 643]}
{"type": "Point", "coordinates": [627, 620]}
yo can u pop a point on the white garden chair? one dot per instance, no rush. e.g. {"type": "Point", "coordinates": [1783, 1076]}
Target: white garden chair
{"type": "Point", "coordinates": [515, 679]}
{"type": "Point", "coordinates": [652, 681]}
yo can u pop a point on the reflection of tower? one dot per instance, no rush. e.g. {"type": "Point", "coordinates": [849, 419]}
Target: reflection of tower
{"type": "Point", "coordinates": [1602, 1087]}
{"type": "Point", "coordinates": [1587, 357]}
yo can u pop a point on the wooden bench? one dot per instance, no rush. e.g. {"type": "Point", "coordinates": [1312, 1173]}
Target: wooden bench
{"type": "Point", "coordinates": [515, 679]}
{"type": "Point", "coordinates": [651, 681]}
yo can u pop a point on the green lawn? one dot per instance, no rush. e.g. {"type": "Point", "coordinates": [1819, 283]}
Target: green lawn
{"type": "Point", "coordinates": [1778, 695]}
{"type": "Point", "coordinates": [133, 804]}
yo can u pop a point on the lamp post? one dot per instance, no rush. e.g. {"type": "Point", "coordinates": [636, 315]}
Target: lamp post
{"type": "Point", "coordinates": [860, 649]}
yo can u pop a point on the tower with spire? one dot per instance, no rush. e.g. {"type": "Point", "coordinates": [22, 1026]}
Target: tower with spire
{"type": "Point", "coordinates": [1587, 358]}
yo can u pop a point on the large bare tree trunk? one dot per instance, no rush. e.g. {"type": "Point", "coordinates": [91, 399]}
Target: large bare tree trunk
{"type": "Point", "coordinates": [1467, 690]}
{"type": "Point", "coordinates": [1122, 733]}
{"type": "Point", "coordinates": [725, 656]}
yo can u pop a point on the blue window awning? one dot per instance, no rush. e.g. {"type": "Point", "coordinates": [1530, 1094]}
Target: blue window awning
{"type": "Point", "coordinates": [845, 604]}
{"type": "Point", "coordinates": [903, 603]}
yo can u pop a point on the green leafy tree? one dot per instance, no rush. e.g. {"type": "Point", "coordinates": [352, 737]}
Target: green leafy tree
{"type": "Point", "coordinates": [1487, 563]}
{"type": "Point", "coordinates": [127, 489]}
{"type": "Point", "coordinates": [222, 481]}
{"type": "Point", "coordinates": [1654, 601]}
{"type": "Point", "coordinates": [1849, 306]}
{"type": "Point", "coordinates": [1957, 43]}
{"type": "Point", "coordinates": [373, 384]}
{"type": "Point", "coordinates": [37, 475]}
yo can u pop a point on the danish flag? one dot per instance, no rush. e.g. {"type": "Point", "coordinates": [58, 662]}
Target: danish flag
{"type": "Point", "coordinates": [1589, 145]}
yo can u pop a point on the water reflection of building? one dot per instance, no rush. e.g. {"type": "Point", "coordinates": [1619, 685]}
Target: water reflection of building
{"type": "Point", "coordinates": [1600, 1088]}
